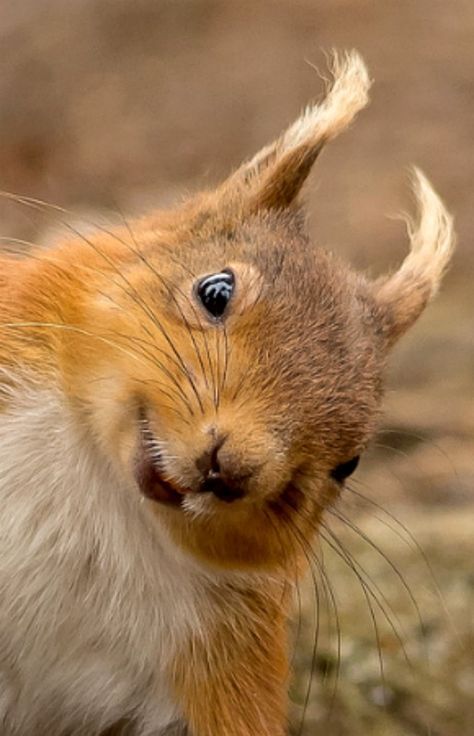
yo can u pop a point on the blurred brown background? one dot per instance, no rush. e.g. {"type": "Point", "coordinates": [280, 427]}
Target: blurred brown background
{"type": "Point", "coordinates": [108, 104]}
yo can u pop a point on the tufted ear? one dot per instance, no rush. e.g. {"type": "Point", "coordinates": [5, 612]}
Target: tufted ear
{"type": "Point", "coordinates": [403, 295]}
{"type": "Point", "coordinates": [273, 178]}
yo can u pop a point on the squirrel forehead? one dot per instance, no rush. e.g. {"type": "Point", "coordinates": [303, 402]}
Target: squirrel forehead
{"type": "Point", "coordinates": [273, 247]}
{"type": "Point", "coordinates": [287, 290]}
{"type": "Point", "coordinates": [303, 290]}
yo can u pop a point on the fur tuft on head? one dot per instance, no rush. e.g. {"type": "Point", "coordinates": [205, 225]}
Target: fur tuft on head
{"type": "Point", "coordinates": [273, 177]}
{"type": "Point", "coordinates": [404, 294]}
{"type": "Point", "coordinates": [348, 93]}
{"type": "Point", "coordinates": [432, 239]}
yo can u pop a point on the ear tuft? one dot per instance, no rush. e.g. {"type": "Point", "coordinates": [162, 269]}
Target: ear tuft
{"type": "Point", "coordinates": [274, 177]}
{"type": "Point", "coordinates": [432, 239]}
{"type": "Point", "coordinates": [404, 294]}
{"type": "Point", "coordinates": [347, 94]}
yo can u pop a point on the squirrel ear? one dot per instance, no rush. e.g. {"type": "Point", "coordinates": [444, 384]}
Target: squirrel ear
{"type": "Point", "coordinates": [273, 178]}
{"type": "Point", "coordinates": [403, 295]}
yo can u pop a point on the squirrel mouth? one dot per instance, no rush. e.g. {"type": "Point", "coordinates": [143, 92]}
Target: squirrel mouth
{"type": "Point", "coordinates": [153, 485]}
{"type": "Point", "coordinates": [148, 475]}
{"type": "Point", "coordinates": [151, 479]}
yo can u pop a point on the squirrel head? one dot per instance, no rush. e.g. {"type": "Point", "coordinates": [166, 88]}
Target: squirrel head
{"type": "Point", "coordinates": [235, 374]}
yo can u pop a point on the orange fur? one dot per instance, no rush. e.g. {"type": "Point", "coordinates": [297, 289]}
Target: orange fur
{"type": "Point", "coordinates": [236, 682]}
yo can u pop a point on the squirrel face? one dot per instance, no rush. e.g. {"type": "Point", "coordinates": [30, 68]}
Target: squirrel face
{"type": "Point", "coordinates": [234, 419]}
{"type": "Point", "coordinates": [234, 371]}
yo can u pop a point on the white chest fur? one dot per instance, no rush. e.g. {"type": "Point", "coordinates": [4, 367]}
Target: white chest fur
{"type": "Point", "coordinates": [92, 603]}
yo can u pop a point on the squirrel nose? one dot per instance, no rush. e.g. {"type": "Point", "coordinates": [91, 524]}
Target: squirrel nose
{"type": "Point", "coordinates": [221, 474]}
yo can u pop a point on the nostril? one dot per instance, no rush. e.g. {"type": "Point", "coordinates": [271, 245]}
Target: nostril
{"type": "Point", "coordinates": [208, 462]}
{"type": "Point", "coordinates": [221, 472]}
{"type": "Point", "coordinates": [218, 487]}
{"type": "Point", "coordinates": [214, 459]}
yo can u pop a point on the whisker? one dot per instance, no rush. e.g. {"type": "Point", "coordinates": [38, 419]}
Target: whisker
{"type": "Point", "coordinates": [330, 538]}
{"type": "Point", "coordinates": [307, 552]}
{"type": "Point", "coordinates": [136, 251]}
{"type": "Point", "coordinates": [39, 204]}
{"type": "Point", "coordinates": [282, 548]}
{"type": "Point", "coordinates": [370, 585]}
{"type": "Point", "coordinates": [153, 360]}
{"type": "Point", "coordinates": [217, 362]}
{"type": "Point", "coordinates": [71, 328]}
{"type": "Point", "coordinates": [226, 357]}
{"type": "Point", "coordinates": [311, 557]}
{"type": "Point", "coordinates": [408, 538]}
{"type": "Point", "coordinates": [195, 312]}
{"type": "Point", "coordinates": [339, 549]}
{"type": "Point", "coordinates": [357, 530]}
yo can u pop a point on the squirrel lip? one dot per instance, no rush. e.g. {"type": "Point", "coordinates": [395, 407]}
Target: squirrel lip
{"type": "Point", "coordinates": [152, 484]}
{"type": "Point", "coordinates": [148, 475]}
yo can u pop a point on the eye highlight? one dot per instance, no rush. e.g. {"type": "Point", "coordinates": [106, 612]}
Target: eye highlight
{"type": "Point", "coordinates": [344, 470]}
{"type": "Point", "coordinates": [215, 291]}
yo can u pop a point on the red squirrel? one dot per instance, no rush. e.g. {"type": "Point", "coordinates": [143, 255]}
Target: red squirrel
{"type": "Point", "coordinates": [181, 398]}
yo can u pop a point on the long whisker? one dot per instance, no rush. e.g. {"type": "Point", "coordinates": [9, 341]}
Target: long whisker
{"type": "Point", "coordinates": [217, 364]}
{"type": "Point", "coordinates": [296, 582]}
{"type": "Point", "coordinates": [309, 556]}
{"type": "Point", "coordinates": [424, 439]}
{"type": "Point", "coordinates": [278, 535]}
{"type": "Point", "coordinates": [71, 328]}
{"type": "Point", "coordinates": [195, 312]}
{"type": "Point", "coordinates": [408, 538]}
{"type": "Point", "coordinates": [153, 359]}
{"type": "Point", "coordinates": [338, 548]}
{"type": "Point", "coordinates": [40, 205]}
{"type": "Point", "coordinates": [31, 201]}
{"type": "Point", "coordinates": [226, 357]}
{"type": "Point", "coordinates": [368, 588]}
{"type": "Point", "coordinates": [402, 453]}
{"type": "Point", "coordinates": [357, 530]}
{"type": "Point", "coordinates": [372, 586]}
{"type": "Point", "coordinates": [149, 349]}
{"type": "Point", "coordinates": [145, 382]}
{"type": "Point", "coordinates": [153, 347]}
{"type": "Point", "coordinates": [136, 251]}
{"type": "Point", "coordinates": [331, 603]}
{"type": "Point", "coordinates": [156, 321]}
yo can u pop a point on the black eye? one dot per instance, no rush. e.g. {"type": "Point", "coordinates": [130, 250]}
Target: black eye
{"type": "Point", "coordinates": [343, 471]}
{"type": "Point", "coordinates": [215, 291]}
